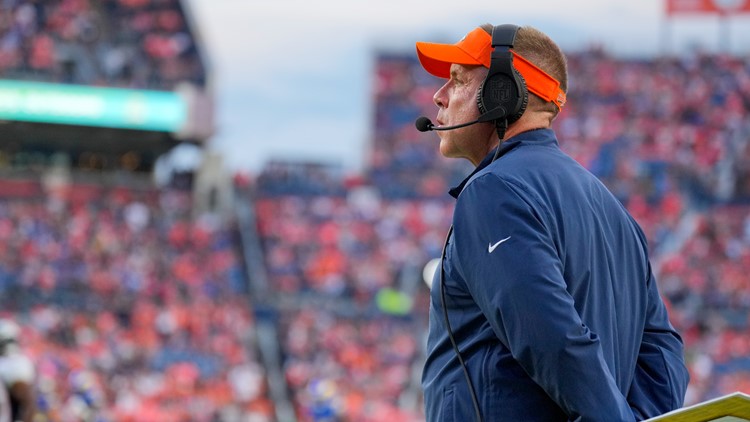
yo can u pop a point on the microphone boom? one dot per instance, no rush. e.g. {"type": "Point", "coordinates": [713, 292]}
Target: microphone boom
{"type": "Point", "coordinates": [424, 124]}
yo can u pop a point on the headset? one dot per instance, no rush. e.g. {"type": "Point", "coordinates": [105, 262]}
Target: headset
{"type": "Point", "coordinates": [504, 93]}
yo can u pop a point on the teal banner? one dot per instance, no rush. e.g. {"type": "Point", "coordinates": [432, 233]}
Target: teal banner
{"type": "Point", "coordinates": [92, 106]}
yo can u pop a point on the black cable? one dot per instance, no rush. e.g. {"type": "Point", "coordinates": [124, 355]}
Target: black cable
{"type": "Point", "coordinates": [450, 332]}
{"type": "Point", "coordinates": [500, 127]}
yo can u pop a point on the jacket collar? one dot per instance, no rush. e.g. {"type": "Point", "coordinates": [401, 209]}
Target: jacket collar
{"type": "Point", "coordinates": [536, 135]}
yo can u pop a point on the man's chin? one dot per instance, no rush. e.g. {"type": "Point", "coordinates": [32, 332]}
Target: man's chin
{"type": "Point", "coordinates": [446, 148]}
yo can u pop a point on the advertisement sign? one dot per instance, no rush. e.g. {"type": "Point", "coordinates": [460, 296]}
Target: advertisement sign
{"type": "Point", "coordinates": [92, 106]}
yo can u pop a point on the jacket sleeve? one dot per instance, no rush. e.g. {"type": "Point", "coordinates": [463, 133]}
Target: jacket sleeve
{"type": "Point", "coordinates": [661, 377]}
{"type": "Point", "coordinates": [520, 288]}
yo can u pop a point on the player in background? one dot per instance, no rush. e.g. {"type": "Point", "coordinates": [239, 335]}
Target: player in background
{"type": "Point", "coordinates": [4, 404]}
{"type": "Point", "coordinates": [17, 373]}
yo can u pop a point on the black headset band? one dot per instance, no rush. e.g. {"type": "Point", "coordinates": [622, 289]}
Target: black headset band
{"type": "Point", "coordinates": [504, 35]}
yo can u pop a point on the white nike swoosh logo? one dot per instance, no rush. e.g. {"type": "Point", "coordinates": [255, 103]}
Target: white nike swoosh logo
{"type": "Point", "coordinates": [491, 247]}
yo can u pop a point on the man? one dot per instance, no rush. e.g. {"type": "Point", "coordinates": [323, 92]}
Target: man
{"type": "Point", "coordinates": [545, 307]}
{"type": "Point", "coordinates": [17, 373]}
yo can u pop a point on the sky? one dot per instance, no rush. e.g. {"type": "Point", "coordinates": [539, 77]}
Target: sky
{"type": "Point", "coordinates": [292, 79]}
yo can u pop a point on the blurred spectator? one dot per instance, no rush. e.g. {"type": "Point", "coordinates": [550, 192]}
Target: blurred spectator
{"type": "Point", "coordinates": [17, 373]}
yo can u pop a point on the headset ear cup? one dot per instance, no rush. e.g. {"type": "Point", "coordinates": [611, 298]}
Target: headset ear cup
{"type": "Point", "coordinates": [488, 95]}
{"type": "Point", "coordinates": [524, 97]}
{"type": "Point", "coordinates": [480, 99]}
{"type": "Point", "coordinates": [485, 105]}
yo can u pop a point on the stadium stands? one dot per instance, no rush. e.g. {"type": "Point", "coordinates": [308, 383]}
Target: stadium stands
{"type": "Point", "coordinates": [113, 43]}
{"type": "Point", "coordinates": [134, 303]}
{"type": "Point", "coordinates": [132, 309]}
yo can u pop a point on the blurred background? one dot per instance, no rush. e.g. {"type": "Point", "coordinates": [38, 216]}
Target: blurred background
{"type": "Point", "coordinates": [221, 210]}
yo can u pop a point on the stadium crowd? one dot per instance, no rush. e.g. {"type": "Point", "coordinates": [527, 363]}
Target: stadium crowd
{"type": "Point", "coordinates": [352, 358]}
{"type": "Point", "coordinates": [116, 43]}
{"type": "Point", "coordinates": [707, 281]}
{"type": "Point", "coordinates": [130, 308]}
{"type": "Point", "coordinates": [670, 137]}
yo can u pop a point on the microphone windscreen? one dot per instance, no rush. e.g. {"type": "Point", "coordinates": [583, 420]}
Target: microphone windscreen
{"type": "Point", "coordinates": [423, 124]}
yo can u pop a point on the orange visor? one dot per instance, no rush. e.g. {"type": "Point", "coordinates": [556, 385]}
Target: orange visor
{"type": "Point", "coordinates": [475, 49]}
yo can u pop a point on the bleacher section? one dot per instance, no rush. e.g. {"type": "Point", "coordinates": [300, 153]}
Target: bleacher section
{"type": "Point", "coordinates": [133, 310]}
{"type": "Point", "coordinates": [133, 298]}
{"type": "Point", "coordinates": [115, 43]}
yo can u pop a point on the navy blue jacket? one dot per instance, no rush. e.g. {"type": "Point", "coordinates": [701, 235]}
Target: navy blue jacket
{"type": "Point", "coordinates": [551, 299]}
